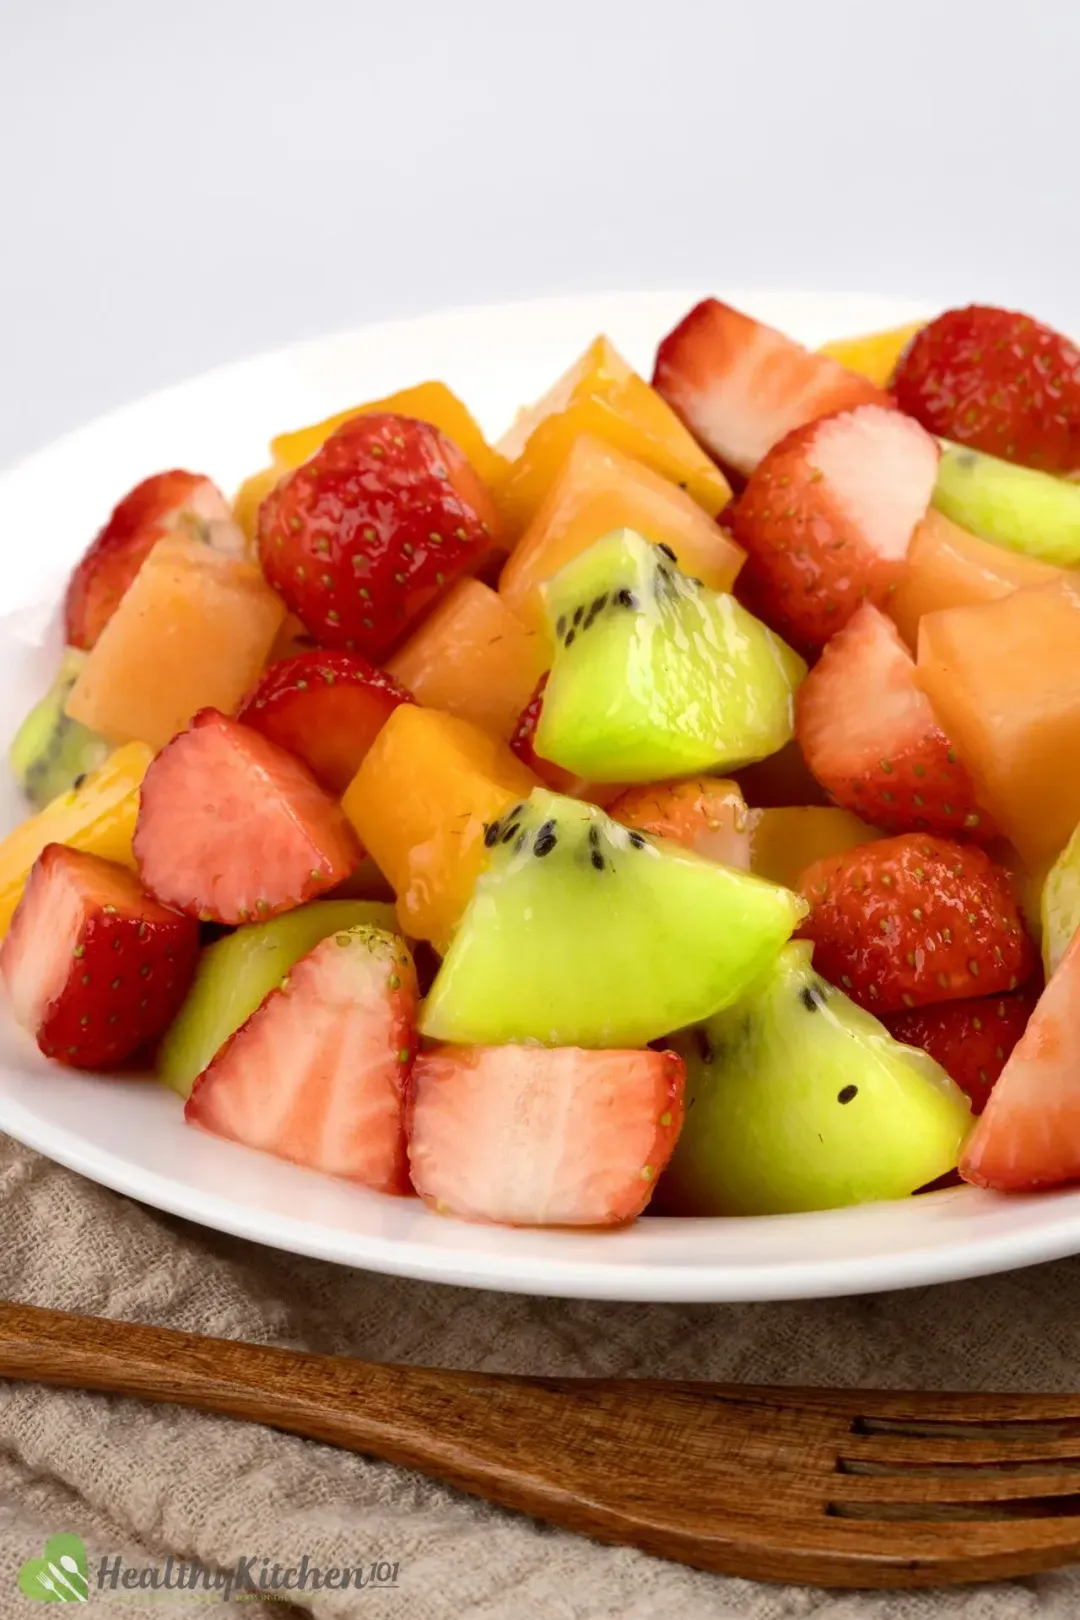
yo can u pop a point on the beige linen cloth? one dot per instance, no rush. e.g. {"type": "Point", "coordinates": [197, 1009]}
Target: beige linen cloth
{"type": "Point", "coordinates": [144, 1481]}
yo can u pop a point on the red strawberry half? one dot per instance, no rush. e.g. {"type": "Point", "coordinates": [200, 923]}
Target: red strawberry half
{"type": "Point", "coordinates": [972, 1039]}
{"type": "Point", "coordinates": [740, 386]}
{"type": "Point", "coordinates": [232, 828]}
{"type": "Point", "coordinates": [94, 967]}
{"type": "Point", "coordinates": [827, 517]}
{"type": "Point", "coordinates": [998, 381]}
{"type": "Point", "coordinates": [915, 920]}
{"type": "Point", "coordinates": [364, 537]}
{"type": "Point", "coordinates": [326, 707]}
{"type": "Point", "coordinates": [534, 1136]}
{"type": "Point", "coordinates": [317, 1074]}
{"type": "Point", "coordinates": [704, 813]}
{"type": "Point", "coordinates": [871, 737]}
{"type": "Point", "coordinates": [159, 505]}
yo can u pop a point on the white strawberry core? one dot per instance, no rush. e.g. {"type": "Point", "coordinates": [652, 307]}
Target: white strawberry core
{"type": "Point", "coordinates": [880, 468]}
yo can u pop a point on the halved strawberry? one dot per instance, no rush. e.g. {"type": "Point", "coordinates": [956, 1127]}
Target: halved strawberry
{"type": "Point", "coordinates": [872, 739]}
{"type": "Point", "coordinates": [914, 920]}
{"type": "Point", "coordinates": [535, 1136]}
{"type": "Point", "coordinates": [325, 707]}
{"type": "Point", "coordinates": [827, 517]}
{"type": "Point", "coordinates": [317, 1074]}
{"type": "Point", "coordinates": [971, 1039]}
{"type": "Point", "coordinates": [704, 813]}
{"type": "Point", "coordinates": [1029, 1134]}
{"type": "Point", "coordinates": [740, 386]}
{"type": "Point", "coordinates": [231, 827]}
{"type": "Point", "coordinates": [94, 967]}
{"type": "Point", "coordinates": [159, 505]}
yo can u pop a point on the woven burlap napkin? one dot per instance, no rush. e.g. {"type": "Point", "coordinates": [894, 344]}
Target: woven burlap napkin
{"type": "Point", "coordinates": [139, 1483]}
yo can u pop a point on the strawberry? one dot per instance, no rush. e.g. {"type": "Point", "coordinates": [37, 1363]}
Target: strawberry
{"type": "Point", "coordinates": [362, 539]}
{"type": "Point", "coordinates": [971, 1039]}
{"type": "Point", "coordinates": [740, 386]}
{"type": "Point", "coordinates": [325, 707]}
{"type": "Point", "coordinates": [872, 740]}
{"type": "Point", "coordinates": [914, 920]}
{"type": "Point", "coordinates": [94, 967]}
{"type": "Point", "coordinates": [826, 519]}
{"type": "Point", "coordinates": [998, 381]}
{"type": "Point", "coordinates": [231, 827]}
{"type": "Point", "coordinates": [535, 1136]}
{"type": "Point", "coordinates": [704, 813]}
{"type": "Point", "coordinates": [158, 506]}
{"type": "Point", "coordinates": [317, 1074]}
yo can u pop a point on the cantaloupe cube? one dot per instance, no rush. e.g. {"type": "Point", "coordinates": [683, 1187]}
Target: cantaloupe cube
{"type": "Point", "coordinates": [600, 394]}
{"type": "Point", "coordinates": [599, 489]}
{"type": "Point", "coordinates": [420, 802]}
{"type": "Point", "coordinates": [192, 632]}
{"type": "Point", "coordinates": [472, 657]}
{"type": "Point", "coordinates": [1004, 679]}
{"type": "Point", "coordinates": [98, 817]}
{"type": "Point", "coordinates": [948, 567]}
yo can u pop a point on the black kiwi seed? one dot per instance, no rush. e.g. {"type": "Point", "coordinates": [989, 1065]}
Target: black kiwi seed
{"type": "Point", "coordinates": [704, 1045]}
{"type": "Point", "coordinates": [514, 827]}
{"type": "Point", "coordinates": [79, 780]}
{"type": "Point", "coordinates": [627, 599]}
{"type": "Point", "coordinates": [598, 605]}
{"type": "Point", "coordinates": [598, 860]}
{"type": "Point", "coordinates": [594, 836]}
{"type": "Point", "coordinates": [560, 626]}
{"type": "Point", "coordinates": [637, 839]}
{"type": "Point", "coordinates": [570, 638]}
{"type": "Point", "coordinates": [545, 839]}
{"type": "Point", "coordinates": [811, 997]}
{"type": "Point", "coordinates": [847, 1093]}
{"type": "Point", "coordinates": [579, 614]}
{"type": "Point", "coordinates": [512, 815]}
{"type": "Point", "coordinates": [491, 834]}
{"type": "Point", "coordinates": [590, 620]}
{"type": "Point", "coordinates": [667, 551]}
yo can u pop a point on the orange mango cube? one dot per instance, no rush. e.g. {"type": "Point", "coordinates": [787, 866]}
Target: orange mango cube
{"type": "Point", "coordinates": [948, 567]}
{"type": "Point", "coordinates": [602, 395]}
{"type": "Point", "coordinates": [1004, 679]}
{"type": "Point", "coordinates": [193, 631]}
{"type": "Point", "coordinates": [250, 496]}
{"type": "Point", "coordinates": [599, 489]}
{"type": "Point", "coordinates": [785, 841]}
{"type": "Point", "coordinates": [419, 803]}
{"type": "Point", "coordinates": [874, 355]}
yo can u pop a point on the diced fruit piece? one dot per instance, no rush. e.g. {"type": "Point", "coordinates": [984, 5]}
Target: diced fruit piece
{"type": "Point", "coordinates": [871, 737]}
{"type": "Point", "coordinates": [51, 753]}
{"type": "Point", "coordinates": [601, 395]}
{"type": "Point", "coordinates": [826, 519]}
{"type": "Point", "coordinates": [740, 386]}
{"type": "Point", "coordinates": [781, 780]}
{"type": "Point", "coordinates": [250, 496]}
{"type": "Point", "coordinates": [874, 356]}
{"type": "Point", "coordinates": [98, 817]}
{"type": "Point", "coordinates": [93, 966]}
{"type": "Point", "coordinates": [362, 539]}
{"type": "Point", "coordinates": [970, 1039]}
{"type": "Point", "coordinates": [430, 402]}
{"type": "Point", "coordinates": [552, 775]}
{"type": "Point", "coordinates": [1060, 905]}
{"type": "Point", "coordinates": [1014, 507]}
{"type": "Point", "coordinates": [232, 829]}
{"type": "Point", "coordinates": [529, 1137]}
{"type": "Point", "coordinates": [997, 381]}
{"type": "Point", "coordinates": [704, 813]}
{"type": "Point", "coordinates": [655, 676]}
{"type": "Point", "coordinates": [290, 640]}
{"type": "Point", "coordinates": [599, 489]}
{"type": "Point", "coordinates": [581, 933]}
{"type": "Point", "coordinates": [785, 841]}
{"type": "Point", "coordinates": [237, 973]}
{"type": "Point", "coordinates": [192, 632]}
{"type": "Point", "coordinates": [797, 1099]}
{"type": "Point", "coordinates": [166, 503]}
{"type": "Point", "coordinates": [948, 567]}
{"type": "Point", "coordinates": [421, 801]}
{"type": "Point", "coordinates": [317, 1074]}
{"type": "Point", "coordinates": [1029, 1133]}
{"type": "Point", "coordinates": [1004, 680]}
{"type": "Point", "coordinates": [472, 657]}
{"type": "Point", "coordinates": [914, 920]}
{"type": "Point", "coordinates": [326, 707]}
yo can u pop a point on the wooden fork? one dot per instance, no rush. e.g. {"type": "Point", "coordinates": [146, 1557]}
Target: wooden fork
{"type": "Point", "coordinates": [825, 1487]}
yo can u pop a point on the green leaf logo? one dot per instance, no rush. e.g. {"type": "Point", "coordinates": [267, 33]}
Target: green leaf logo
{"type": "Point", "coordinates": [59, 1575]}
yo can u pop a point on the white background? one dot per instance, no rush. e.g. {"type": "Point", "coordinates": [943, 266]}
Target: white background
{"type": "Point", "coordinates": [187, 183]}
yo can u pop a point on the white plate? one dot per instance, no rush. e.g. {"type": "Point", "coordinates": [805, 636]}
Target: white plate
{"type": "Point", "coordinates": [131, 1136]}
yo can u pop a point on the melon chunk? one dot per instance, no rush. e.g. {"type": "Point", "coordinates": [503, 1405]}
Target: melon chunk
{"type": "Point", "coordinates": [472, 657]}
{"type": "Point", "coordinates": [948, 567]}
{"type": "Point", "coordinates": [192, 632]}
{"type": "Point", "coordinates": [1004, 679]}
{"type": "Point", "coordinates": [599, 489]}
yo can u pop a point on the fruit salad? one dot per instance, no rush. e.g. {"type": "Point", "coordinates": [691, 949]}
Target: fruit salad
{"type": "Point", "coordinates": [673, 806]}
